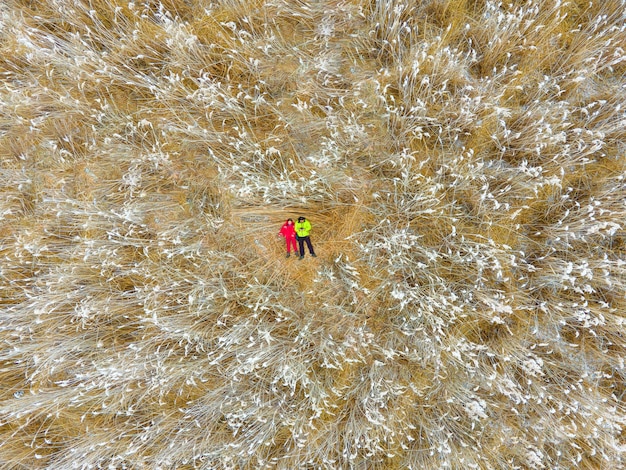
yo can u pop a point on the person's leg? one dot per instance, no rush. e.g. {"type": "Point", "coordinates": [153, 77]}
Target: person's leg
{"type": "Point", "coordinates": [301, 245]}
{"type": "Point", "coordinates": [294, 245]}
{"type": "Point", "coordinates": [310, 246]}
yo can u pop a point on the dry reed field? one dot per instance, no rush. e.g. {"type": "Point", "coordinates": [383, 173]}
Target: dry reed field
{"type": "Point", "coordinates": [462, 163]}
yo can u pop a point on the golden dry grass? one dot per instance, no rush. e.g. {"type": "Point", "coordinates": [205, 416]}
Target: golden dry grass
{"type": "Point", "coordinates": [462, 162]}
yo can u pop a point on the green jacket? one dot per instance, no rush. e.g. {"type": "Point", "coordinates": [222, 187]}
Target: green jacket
{"type": "Point", "coordinates": [303, 228]}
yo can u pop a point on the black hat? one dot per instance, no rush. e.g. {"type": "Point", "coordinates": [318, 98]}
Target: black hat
{"type": "Point", "coordinates": [300, 218]}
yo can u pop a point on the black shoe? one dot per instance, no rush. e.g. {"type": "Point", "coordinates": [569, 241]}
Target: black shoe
{"type": "Point", "coordinates": [288, 255]}
{"type": "Point", "coordinates": [313, 255]}
{"type": "Point", "coordinates": [301, 257]}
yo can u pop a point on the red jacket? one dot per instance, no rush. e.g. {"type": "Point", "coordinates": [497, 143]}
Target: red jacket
{"type": "Point", "coordinates": [288, 231]}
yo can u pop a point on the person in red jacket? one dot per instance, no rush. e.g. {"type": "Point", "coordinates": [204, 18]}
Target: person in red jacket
{"type": "Point", "coordinates": [288, 231]}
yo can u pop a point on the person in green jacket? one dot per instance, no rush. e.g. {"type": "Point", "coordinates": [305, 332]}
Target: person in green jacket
{"type": "Point", "coordinates": [303, 230]}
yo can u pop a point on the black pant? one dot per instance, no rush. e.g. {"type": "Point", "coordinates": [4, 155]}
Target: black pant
{"type": "Point", "coordinates": [301, 241]}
